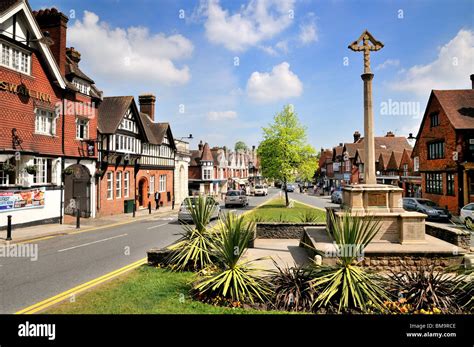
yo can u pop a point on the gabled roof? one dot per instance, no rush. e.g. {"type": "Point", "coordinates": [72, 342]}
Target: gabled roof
{"type": "Point", "coordinates": [111, 111]}
{"type": "Point", "coordinates": [156, 132]}
{"type": "Point", "coordinates": [383, 158]}
{"type": "Point", "coordinates": [395, 159]}
{"type": "Point", "coordinates": [458, 106]}
{"type": "Point", "coordinates": [351, 148]}
{"type": "Point", "coordinates": [195, 157]}
{"type": "Point", "coordinates": [7, 9]}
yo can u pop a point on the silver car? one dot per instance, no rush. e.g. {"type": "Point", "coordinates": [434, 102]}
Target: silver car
{"type": "Point", "coordinates": [184, 214]}
{"type": "Point", "coordinates": [236, 197]}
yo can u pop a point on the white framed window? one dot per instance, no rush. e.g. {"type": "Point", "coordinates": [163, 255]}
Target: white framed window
{"type": "Point", "coordinates": [110, 182]}
{"type": "Point", "coordinates": [152, 185]}
{"type": "Point", "coordinates": [118, 185]}
{"type": "Point", "coordinates": [45, 122]}
{"type": "Point", "coordinates": [82, 128]}
{"type": "Point", "coordinates": [416, 164]}
{"type": "Point", "coordinates": [125, 143]}
{"type": "Point", "coordinates": [82, 86]}
{"type": "Point", "coordinates": [43, 171]}
{"type": "Point", "coordinates": [4, 177]}
{"type": "Point", "coordinates": [162, 183]}
{"type": "Point", "coordinates": [15, 59]}
{"type": "Point", "coordinates": [126, 184]}
{"type": "Point", "coordinates": [207, 173]}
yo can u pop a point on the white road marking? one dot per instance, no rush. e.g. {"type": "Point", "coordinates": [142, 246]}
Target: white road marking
{"type": "Point", "coordinates": [167, 218]}
{"type": "Point", "coordinates": [157, 226]}
{"type": "Point", "coordinates": [91, 243]}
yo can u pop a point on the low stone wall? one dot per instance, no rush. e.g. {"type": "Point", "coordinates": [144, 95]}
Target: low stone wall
{"type": "Point", "coordinates": [277, 230]}
{"type": "Point", "coordinates": [458, 237]}
{"type": "Point", "coordinates": [396, 263]}
{"type": "Point", "coordinates": [157, 256]}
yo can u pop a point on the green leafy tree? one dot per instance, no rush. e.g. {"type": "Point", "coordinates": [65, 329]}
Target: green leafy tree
{"type": "Point", "coordinates": [284, 152]}
{"type": "Point", "coordinates": [240, 145]}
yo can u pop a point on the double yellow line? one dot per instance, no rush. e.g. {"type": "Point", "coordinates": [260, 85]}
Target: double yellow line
{"type": "Point", "coordinates": [42, 305]}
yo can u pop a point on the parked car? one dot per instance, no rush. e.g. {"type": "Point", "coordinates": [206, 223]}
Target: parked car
{"type": "Point", "coordinates": [290, 187]}
{"type": "Point", "coordinates": [467, 216]}
{"type": "Point", "coordinates": [236, 197]}
{"type": "Point", "coordinates": [184, 214]}
{"type": "Point", "coordinates": [428, 207]}
{"type": "Point", "coordinates": [336, 197]}
{"type": "Point", "coordinates": [260, 190]}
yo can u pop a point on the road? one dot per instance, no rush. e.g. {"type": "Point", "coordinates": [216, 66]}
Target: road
{"type": "Point", "coordinates": [70, 260]}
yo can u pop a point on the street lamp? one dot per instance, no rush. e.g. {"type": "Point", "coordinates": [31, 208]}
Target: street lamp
{"type": "Point", "coordinates": [189, 137]}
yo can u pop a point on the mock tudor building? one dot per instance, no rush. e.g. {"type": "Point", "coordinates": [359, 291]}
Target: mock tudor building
{"type": "Point", "coordinates": [48, 121]}
{"type": "Point", "coordinates": [444, 149]}
{"type": "Point", "coordinates": [136, 156]}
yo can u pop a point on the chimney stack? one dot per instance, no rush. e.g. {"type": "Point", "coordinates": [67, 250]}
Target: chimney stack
{"type": "Point", "coordinates": [200, 146]}
{"type": "Point", "coordinates": [55, 22]}
{"type": "Point", "coordinates": [390, 134]}
{"type": "Point", "coordinates": [74, 55]}
{"type": "Point", "coordinates": [472, 81]}
{"type": "Point", "coordinates": [147, 105]}
{"type": "Point", "coordinates": [356, 136]}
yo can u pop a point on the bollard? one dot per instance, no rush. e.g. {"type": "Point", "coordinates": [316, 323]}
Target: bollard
{"type": "Point", "coordinates": [78, 218]}
{"type": "Point", "coordinates": [9, 228]}
{"type": "Point", "coordinates": [172, 204]}
{"type": "Point", "coordinates": [134, 208]}
{"type": "Point", "coordinates": [149, 207]}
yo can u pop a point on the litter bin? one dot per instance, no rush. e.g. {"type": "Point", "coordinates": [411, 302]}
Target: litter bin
{"type": "Point", "coordinates": [128, 206]}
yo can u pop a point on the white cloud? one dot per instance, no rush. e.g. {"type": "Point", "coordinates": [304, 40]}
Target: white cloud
{"type": "Point", "coordinates": [387, 63]}
{"type": "Point", "coordinates": [282, 46]}
{"type": "Point", "coordinates": [308, 33]}
{"type": "Point", "coordinates": [450, 70]}
{"type": "Point", "coordinates": [131, 54]}
{"type": "Point", "coordinates": [252, 24]}
{"type": "Point", "coordinates": [221, 115]}
{"type": "Point", "coordinates": [280, 83]}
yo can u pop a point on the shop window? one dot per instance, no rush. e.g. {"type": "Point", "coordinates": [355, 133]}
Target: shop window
{"type": "Point", "coordinates": [43, 171]}
{"type": "Point", "coordinates": [45, 122]}
{"type": "Point", "coordinates": [82, 129]}
{"type": "Point", "coordinates": [434, 183]}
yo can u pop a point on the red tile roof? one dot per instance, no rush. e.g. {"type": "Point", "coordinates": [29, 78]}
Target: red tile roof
{"type": "Point", "coordinates": [458, 106]}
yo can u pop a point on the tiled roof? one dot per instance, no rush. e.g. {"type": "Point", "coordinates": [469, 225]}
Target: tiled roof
{"type": "Point", "coordinates": [111, 111]}
{"type": "Point", "coordinates": [206, 153]}
{"type": "Point", "coordinates": [394, 162]}
{"type": "Point", "coordinates": [458, 106]}
{"type": "Point", "coordinates": [6, 4]}
{"type": "Point", "coordinates": [351, 148]}
{"type": "Point", "coordinates": [195, 157]}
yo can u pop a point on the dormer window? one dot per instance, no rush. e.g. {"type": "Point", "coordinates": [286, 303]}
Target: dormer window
{"type": "Point", "coordinates": [14, 58]}
{"type": "Point", "coordinates": [82, 86]}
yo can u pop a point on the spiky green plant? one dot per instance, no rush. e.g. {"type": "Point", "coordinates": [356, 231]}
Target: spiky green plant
{"type": "Point", "coordinates": [193, 250]}
{"type": "Point", "coordinates": [346, 285]}
{"type": "Point", "coordinates": [234, 278]}
{"type": "Point", "coordinates": [309, 216]}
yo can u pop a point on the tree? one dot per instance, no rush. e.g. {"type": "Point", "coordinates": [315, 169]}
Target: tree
{"type": "Point", "coordinates": [284, 152]}
{"type": "Point", "coordinates": [240, 145]}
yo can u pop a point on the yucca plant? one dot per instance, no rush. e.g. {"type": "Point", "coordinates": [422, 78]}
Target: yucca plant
{"type": "Point", "coordinates": [346, 285]}
{"type": "Point", "coordinates": [309, 216]}
{"type": "Point", "coordinates": [426, 288]}
{"type": "Point", "coordinates": [234, 278]}
{"type": "Point", "coordinates": [292, 288]}
{"type": "Point", "coordinates": [193, 250]}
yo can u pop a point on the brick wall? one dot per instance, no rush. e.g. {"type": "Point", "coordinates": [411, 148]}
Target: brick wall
{"type": "Point", "coordinates": [115, 205]}
{"type": "Point", "coordinates": [18, 112]}
{"type": "Point", "coordinates": [145, 175]}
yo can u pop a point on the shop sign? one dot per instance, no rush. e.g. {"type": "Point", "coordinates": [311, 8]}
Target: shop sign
{"type": "Point", "coordinates": [21, 199]}
{"type": "Point", "coordinates": [22, 90]}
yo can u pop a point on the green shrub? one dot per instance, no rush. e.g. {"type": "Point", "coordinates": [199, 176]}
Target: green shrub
{"type": "Point", "coordinates": [309, 216]}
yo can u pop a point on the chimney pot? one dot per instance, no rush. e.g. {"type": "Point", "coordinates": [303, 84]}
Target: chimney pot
{"type": "Point", "coordinates": [472, 81]}
{"type": "Point", "coordinates": [147, 105]}
{"type": "Point", "coordinates": [390, 134]}
{"type": "Point", "coordinates": [356, 136]}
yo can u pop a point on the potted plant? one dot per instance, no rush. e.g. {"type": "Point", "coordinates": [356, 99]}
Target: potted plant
{"type": "Point", "coordinates": [31, 169]}
{"type": "Point", "coordinates": [8, 168]}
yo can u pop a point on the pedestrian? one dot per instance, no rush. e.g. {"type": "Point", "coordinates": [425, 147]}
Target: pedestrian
{"type": "Point", "coordinates": [157, 200]}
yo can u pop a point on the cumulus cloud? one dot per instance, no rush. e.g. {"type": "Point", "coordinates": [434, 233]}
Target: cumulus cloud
{"type": "Point", "coordinates": [308, 33]}
{"type": "Point", "coordinates": [280, 83]}
{"type": "Point", "coordinates": [221, 115]}
{"type": "Point", "coordinates": [131, 54]}
{"type": "Point", "coordinates": [388, 63]}
{"type": "Point", "coordinates": [450, 70]}
{"type": "Point", "coordinates": [252, 24]}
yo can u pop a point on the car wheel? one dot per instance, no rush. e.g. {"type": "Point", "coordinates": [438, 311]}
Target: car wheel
{"type": "Point", "coordinates": [469, 223]}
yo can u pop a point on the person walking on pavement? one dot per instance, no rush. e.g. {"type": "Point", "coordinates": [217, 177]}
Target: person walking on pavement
{"type": "Point", "coordinates": [157, 199]}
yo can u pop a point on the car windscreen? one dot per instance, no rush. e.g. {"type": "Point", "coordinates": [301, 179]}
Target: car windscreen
{"type": "Point", "coordinates": [427, 203]}
{"type": "Point", "coordinates": [232, 193]}
{"type": "Point", "coordinates": [258, 187]}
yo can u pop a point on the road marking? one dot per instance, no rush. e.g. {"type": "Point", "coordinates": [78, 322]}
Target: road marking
{"type": "Point", "coordinates": [38, 239]}
{"type": "Point", "coordinates": [91, 243]}
{"type": "Point", "coordinates": [157, 226]}
{"type": "Point", "coordinates": [42, 305]}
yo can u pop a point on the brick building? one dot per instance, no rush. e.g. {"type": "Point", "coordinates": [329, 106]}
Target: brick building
{"type": "Point", "coordinates": [136, 156]}
{"type": "Point", "coordinates": [444, 149]}
{"type": "Point", "coordinates": [39, 97]}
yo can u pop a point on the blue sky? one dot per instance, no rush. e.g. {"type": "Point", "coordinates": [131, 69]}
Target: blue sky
{"type": "Point", "coordinates": [287, 52]}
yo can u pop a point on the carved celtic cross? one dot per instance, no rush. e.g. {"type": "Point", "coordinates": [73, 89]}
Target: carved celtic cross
{"type": "Point", "coordinates": [366, 43]}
